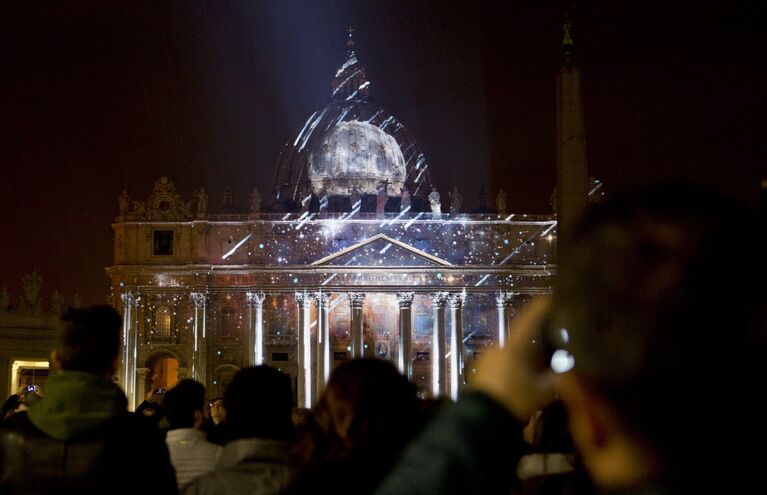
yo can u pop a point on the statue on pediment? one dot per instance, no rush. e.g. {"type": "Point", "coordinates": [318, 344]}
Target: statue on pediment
{"type": "Point", "coordinates": [202, 203]}
{"type": "Point", "coordinates": [404, 199]}
{"type": "Point", "coordinates": [434, 202]}
{"type": "Point", "coordinates": [455, 201]}
{"type": "Point", "coordinates": [30, 299]}
{"type": "Point", "coordinates": [500, 201]}
{"type": "Point", "coordinates": [56, 301]}
{"type": "Point", "coordinates": [123, 201]}
{"type": "Point", "coordinates": [381, 199]}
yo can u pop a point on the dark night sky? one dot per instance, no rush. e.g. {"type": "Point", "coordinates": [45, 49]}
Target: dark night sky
{"type": "Point", "coordinates": [96, 97]}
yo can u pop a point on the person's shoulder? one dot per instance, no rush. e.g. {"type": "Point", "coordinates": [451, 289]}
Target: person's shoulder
{"type": "Point", "coordinates": [135, 426]}
{"type": "Point", "coordinates": [19, 423]}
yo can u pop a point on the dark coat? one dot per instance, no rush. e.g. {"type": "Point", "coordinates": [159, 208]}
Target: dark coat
{"type": "Point", "coordinates": [81, 439]}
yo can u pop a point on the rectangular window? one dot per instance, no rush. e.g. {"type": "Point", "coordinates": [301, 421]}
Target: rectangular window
{"type": "Point", "coordinates": [339, 356]}
{"type": "Point", "coordinates": [163, 242]}
{"type": "Point", "coordinates": [279, 356]}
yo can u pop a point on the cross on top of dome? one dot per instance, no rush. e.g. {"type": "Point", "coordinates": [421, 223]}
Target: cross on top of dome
{"type": "Point", "coordinates": [350, 41]}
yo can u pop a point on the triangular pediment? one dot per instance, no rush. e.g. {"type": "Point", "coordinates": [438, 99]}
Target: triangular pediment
{"type": "Point", "coordinates": [381, 250]}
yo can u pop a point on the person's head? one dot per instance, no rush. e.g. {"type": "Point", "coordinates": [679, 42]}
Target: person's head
{"type": "Point", "coordinates": [217, 411]}
{"type": "Point", "coordinates": [259, 403]}
{"type": "Point", "coordinates": [659, 291]}
{"type": "Point", "coordinates": [367, 406]}
{"type": "Point", "coordinates": [88, 340]}
{"type": "Point", "coordinates": [183, 405]}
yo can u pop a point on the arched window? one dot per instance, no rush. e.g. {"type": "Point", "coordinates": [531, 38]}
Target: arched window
{"type": "Point", "coordinates": [162, 322]}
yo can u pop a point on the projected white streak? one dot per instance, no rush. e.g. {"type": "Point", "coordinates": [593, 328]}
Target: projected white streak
{"type": "Point", "coordinates": [236, 246]}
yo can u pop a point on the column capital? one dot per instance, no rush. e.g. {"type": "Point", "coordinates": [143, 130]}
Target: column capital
{"type": "Point", "coordinates": [457, 299]}
{"type": "Point", "coordinates": [198, 298]}
{"type": "Point", "coordinates": [255, 299]}
{"type": "Point", "coordinates": [503, 298]}
{"type": "Point", "coordinates": [303, 298]}
{"type": "Point", "coordinates": [321, 298]}
{"type": "Point", "coordinates": [439, 299]}
{"type": "Point", "coordinates": [130, 299]}
{"type": "Point", "coordinates": [356, 299]}
{"type": "Point", "coordinates": [405, 299]}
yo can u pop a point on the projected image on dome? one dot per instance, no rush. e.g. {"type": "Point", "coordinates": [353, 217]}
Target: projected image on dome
{"type": "Point", "coordinates": [351, 146]}
{"type": "Point", "coordinates": [356, 154]}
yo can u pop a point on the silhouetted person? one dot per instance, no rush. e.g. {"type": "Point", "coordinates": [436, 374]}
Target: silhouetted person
{"type": "Point", "coordinates": [190, 453]}
{"type": "Point", "coordinates": [654, 331]}
{"type": "Point", "coordinates": [258, 403]}
{"type": "Point", "coordinates": [366, 415]}
{"type": "Point", "coordinates": [80, 438]}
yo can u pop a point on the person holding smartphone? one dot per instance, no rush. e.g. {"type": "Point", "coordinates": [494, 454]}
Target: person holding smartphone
{"type": "Point", "coordinates": [655, 339]}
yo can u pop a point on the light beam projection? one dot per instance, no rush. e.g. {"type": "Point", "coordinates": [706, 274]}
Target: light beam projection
{"type": "Point", "coordinates": [553, 224]}
{"type": "Point", "coordinates": [400, 215]}
{"type": "Point", "coordinates": [412, 221]}
{"type": "Point", "coordinates": [349, 78]}
{"type": "Point", "coordinates": [549, 226]}
{"type": "Point", "coordinates": [312, 126]}
{"type": "Point", "coordinates": [304, 220]}
{"type": "Point", "coordinates": [236, 246]}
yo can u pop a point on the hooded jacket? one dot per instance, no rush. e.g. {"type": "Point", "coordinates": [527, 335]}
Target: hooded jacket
{"type": "Point", "coordinates": [80, 438]}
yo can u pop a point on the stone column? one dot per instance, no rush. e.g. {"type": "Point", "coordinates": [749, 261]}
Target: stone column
{"type": "Point", "coordinates": [199, 357]}
{"type": "Point", "coordinates": [502, 302]}
{"type": "Point", "coordinates": [323, 339]}
{"type": "Point", "coordinates": [356, 299]}
{"type": "Point", "coordinates": [405, 351]}
{"type": "Point", "coordinates": [130, 347]}
{"type": "Point", "coordinates": [438, 376]}
{"type": "Point", "coordinates": [141, 374]}
{"type": "Point", "coordinates": [456, 343]}
{"type": "Point", "coordinates": [255, 302]}
{"type": "Point", "coordinates": [304, 350]}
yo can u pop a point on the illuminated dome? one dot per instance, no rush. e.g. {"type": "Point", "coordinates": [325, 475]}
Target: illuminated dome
{"type": "Point", "coordinates": [356, 154]}
{"type": "Point", "coordinates": [352, 142]}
